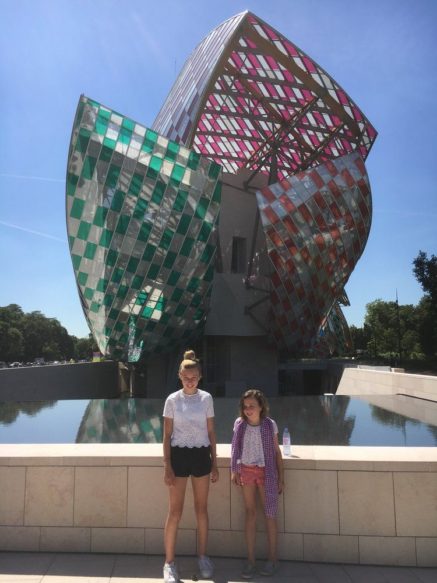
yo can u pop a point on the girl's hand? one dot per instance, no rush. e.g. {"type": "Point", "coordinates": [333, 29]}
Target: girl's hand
{"type": "Point", "coordinates": [214, 474]}
{"type": "Point", "coordinates": [169, 477]}
{"type": "Point", "coordinates": [236, 479]}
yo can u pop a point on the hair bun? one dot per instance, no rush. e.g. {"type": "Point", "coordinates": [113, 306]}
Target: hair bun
{"type": "Point", "coordinates": [189, 355]}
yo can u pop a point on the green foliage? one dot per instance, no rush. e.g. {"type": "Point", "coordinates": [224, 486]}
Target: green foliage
{"type": "Point", "coordinates": [25, 337]}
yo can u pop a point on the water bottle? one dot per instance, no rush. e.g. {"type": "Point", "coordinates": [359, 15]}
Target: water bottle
{"type": "Point", "coordinates": [286, 442]}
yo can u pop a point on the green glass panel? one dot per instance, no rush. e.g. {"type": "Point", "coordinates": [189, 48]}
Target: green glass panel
{"type": "Point", "coordinates": [152, 174]}
{"type": "Point", "coordinates": [122, 291]}
{"type": "Point", "coordinates": [144, 232]}
{"type": "Point", "coordinates": [187, 246]}
{"type": "Point", "coordinates": [125, 135]}
{"type": "Point", "coordinates": [202, 207]}
{"type": "Point", "coordinates": [112, 176]}
{"type": "Point", "coordinates": [107, 300]}
{"type": "Point", "coordinates": [209, 275]}
{"type": "Point", "coordinates": [137, 282]}
{"type": "Point", "coordinates": [132, 265]}
{"type": "Point", "coordinates": [183, 224]}
{"type": "Point", "coordinates": [90, 250]}
{"type": "Point", "coordinates": [177, 294]}
{"type": "Point", "coordinates": [84, 230]}
{"type": "Point", "coordinates": [108, 143]}
{"type": "Point", "coordinates": [135, 185]}
{"type": "Point", "coordinates": [165, 318]}
{"type": "Point", "coordinates": [105, 153]}
{"type": "Point", "coordinates": [173, 278]}
{"type": "Point", "coordinates": [147, 312]}
{"type": "Point", "coordinates": [158, 192]}
{"type": "Point", "coordinates": [150, 326]}
{"type": "Point", "coordinates": [82, 141]}
{"type": "Point", "coordinates": [149, 141]}
{"type": "Point", "coordinates": [79, 113]}
{"type": "Point", "coordinates": [72, 181]}
{"type": "Point", "coordinates": [100, 216]}
{"type": "Point", "coordinates": [196, 301]}
{"type": "Point", "coordinates": [77, 208]}
{"type": "Point", "coordinates": [177, 173]}
{"type": "Point", "coordinates": [142, 298]}
{"type": "Point", "coordinates": [104, 113]}
{"type": "Point", "coordinates": [88, 167]}
{"type": "Point", "coordinates": [123, 338]}
{"type": "Point", "coordinates": [214, 170]}
{"type": "Point", "coordinates": [140, 209]}
{"type": "Point", "coordinates": [82, 277]}
{"type": "Point", "coordinates": [217, 195]}
{"type": "Point", "coordinates": [101, 125]}
{"type": "Point", "coordinates": [128, 124]}
{"type": "Point", "coordinates": [117, 275]}
{"type": "Point", "coordinates": [193, 160]}
{"type": "Point", "coordinates": [193, 284]}
{"type": "Point", "coordinates": [170, 258]}
{"type": "Point", "coordinates": [117, 201]}
{"type": "Point", "coordinates": [199, 314]}
{"type": "Point", "coordinates": [207, 254]}
{"type": "Point", "coordinates": [180, 310]}
{"type": "Point", "coordinates": [105, 239]}
{"type": "Point", "coordinates": [76, 261]}
{"type": "Point", "coordinates": [71, 241]}
{"type": "Point", "coordinates": [153, 271]}
{"type": "Point", "coordinates": [119, 325]}
{"type": "Point", "coordinates": [172, 151]}
{"type": "Point", "coordinates": [88, 293]}
{"type": "Point", "coordinates": [102, 285]}
{"type": "Point", "coordinates": [111, 258]}
{"type": "Point", "coordinates": [179, 203]}
{"type": "Point", "coordinates": [149, 252]}
{"type": "Point", "coordinates": [155, 163]}
{"type": "Point", "coordinates": [166, 238]}
{"type": "Point", "coordinates": [123, 224]}
{"type": "Point", "coordinates": [205, 231]}
{"type": "Point", "coordinates": [95, 307]}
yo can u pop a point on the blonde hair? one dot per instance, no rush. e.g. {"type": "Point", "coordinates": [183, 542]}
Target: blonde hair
{"type": "Point", "coordinates": [190, 361]}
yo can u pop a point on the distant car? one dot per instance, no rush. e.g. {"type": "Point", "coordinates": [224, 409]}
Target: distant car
{"type": "Point", "coordinates": [15, 364]}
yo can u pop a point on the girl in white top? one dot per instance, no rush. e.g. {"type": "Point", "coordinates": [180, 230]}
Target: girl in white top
{"type": "Point", "coordinates": [189, 444]}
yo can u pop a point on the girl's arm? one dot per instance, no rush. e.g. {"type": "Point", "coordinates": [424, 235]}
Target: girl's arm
{"type": "Point", "coordinates": [279, 465]}
{"type": "Point", "coordinates": [213, 442]}
{"type": "Point", "coordinates": [169, 476]}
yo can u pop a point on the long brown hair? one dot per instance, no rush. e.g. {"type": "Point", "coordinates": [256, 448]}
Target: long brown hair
{"type": "Point", "coordinates": [260, 397]}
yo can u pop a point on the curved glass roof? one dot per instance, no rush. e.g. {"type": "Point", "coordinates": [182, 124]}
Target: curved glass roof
{"type": "Point", "coordinates": [247, 97]}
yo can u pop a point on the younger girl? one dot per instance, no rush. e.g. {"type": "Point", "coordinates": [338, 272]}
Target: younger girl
{"type": "Point", "coordinates": [256, 465]}
{"type": "Point", "coordinates": [189, 450]}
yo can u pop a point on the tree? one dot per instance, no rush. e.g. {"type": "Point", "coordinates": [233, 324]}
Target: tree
{"type": "Point", "coordinates": [425, 271]}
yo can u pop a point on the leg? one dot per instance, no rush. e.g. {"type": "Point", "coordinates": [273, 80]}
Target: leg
{"type": "Point", "coordinates": [200, 493]}
{"type": "Point", "coordinates": [249, 495]}
{"type": "Point", "coordinates": [272, 530]}
{"type": "Point", "coordinates": [175, 508]}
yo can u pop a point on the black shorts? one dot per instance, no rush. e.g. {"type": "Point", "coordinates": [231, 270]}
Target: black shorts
{"type": "Point", "coordinates": [191, 461]}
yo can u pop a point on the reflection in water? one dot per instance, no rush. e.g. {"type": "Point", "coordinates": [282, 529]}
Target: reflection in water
{"type": "Point", "coordinates": [10, 410]}
{"type": "Point", "coordinates": [121, 421]}
{"type": "Point", "coordinates": [312, 420]}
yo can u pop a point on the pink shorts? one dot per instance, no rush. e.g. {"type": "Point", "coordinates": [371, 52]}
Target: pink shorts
{"type": "Point", "coordinates": [252, 475]}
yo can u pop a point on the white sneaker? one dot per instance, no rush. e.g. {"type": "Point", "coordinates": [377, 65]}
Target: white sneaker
{"type": "Point", "coordinates": [206, 567]}
{"type": "Point", "coordinates": [170, 573]}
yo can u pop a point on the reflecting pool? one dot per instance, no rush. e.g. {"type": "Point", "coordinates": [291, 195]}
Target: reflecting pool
{"type": "Point", "coordinates": [312, 420]}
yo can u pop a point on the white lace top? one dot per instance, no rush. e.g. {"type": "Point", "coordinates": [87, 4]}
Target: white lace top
{"type": "Point", "coordinates": [253, 454]}
{"type": "Point", "coordinates": [189, 414]}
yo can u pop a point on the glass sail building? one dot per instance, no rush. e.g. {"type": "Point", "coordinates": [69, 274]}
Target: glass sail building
{"type": "Point", "coordinates": [253, 133]}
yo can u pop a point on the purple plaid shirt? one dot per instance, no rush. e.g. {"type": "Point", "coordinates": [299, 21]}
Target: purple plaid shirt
{"type": "Point", "coordinates": [271, 470]}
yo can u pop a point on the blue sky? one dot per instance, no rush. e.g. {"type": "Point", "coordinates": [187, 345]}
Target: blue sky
{"type": "Point", "coordinates": [127, 54]}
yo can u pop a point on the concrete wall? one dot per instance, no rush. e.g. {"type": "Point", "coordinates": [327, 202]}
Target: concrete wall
{"type": "Point", "coordinates": [364, 381]}
{"type": "Point", "coordinates": [341, 504]}
{"type": "Point", "coordinates": [87, 380]}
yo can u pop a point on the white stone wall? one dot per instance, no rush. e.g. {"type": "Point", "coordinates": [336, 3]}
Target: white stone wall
{"type": "Point", "coordinates": [341, 504]}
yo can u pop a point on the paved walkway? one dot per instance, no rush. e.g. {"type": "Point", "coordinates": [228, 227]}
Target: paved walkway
{"type": "Point", "coordinates": [102, 568]}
